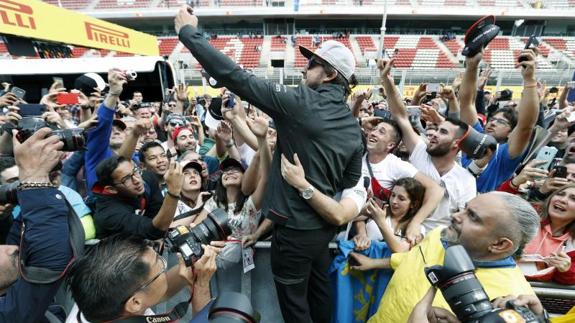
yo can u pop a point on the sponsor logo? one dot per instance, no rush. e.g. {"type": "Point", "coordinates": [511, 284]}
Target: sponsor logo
{"type": "Point", "coordinates": [106, 35]}
{"type": "Point", "coordinates": [17, 14]}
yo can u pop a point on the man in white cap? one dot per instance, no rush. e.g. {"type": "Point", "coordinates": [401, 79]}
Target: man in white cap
{"type": "Point", "coordinates": [314, 121]}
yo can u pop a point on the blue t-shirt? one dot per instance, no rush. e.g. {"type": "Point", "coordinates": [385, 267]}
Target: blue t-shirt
{"type": "Point", "coordinates": [500, 167]}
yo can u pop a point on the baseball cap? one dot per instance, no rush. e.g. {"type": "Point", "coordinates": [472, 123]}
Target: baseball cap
{"type": "Point", "coordinates": [177, 131]}
{"type": "Point", "coordinates": [89, 82]}
{"type": "Point", "coordinates": [336, 55]}
{"type": "Point", "coordinates": [479, 35]}
{"type": "Point", "coordinates": [176, 118]}
{"type": "Point", "coordinates": [119, 123]}
{"type": "Point", "coordinates": [214, 114]}
{"type": "Point", "coordinates": [192, 164]}
{"type": "Point", "coordinates": [230, 162]}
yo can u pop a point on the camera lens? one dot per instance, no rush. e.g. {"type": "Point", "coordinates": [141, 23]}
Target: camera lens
{"type": "Point", "coordinates": [232, 307]}
{"type": "Point", "coordinates": [188, 241]}
{"type": "Point", "coordinates": [73, 139]}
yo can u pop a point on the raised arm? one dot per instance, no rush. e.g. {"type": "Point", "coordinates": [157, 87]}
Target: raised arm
{"type": "Point", "coordinates": [468, 89]}
{"type": "Point", "coordinates": [396, 106]}
{"type": "Point", "coordinates": [433, 195]}
{"type": "Point", "coordinates": [528, 109]}
{"type": "Point", "coordinates": [260, 129]}
{"type": "Point", "coordinates": [272, 98]}
{"type": "Point", "coordinates": [129, 146]}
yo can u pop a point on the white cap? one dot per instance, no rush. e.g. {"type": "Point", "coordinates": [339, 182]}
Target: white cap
{"type": "Point", "coordinates": [336, 54]}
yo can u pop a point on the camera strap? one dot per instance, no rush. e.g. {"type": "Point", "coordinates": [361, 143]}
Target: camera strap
{"type": "Point", "coordinates": [188, 214]}
{"type": "Point", "coordinates": [379, 191]}
{"type": "Point", "coordinates": [178, 312]}
{"type": "Point", "coordinates": [39, 275]}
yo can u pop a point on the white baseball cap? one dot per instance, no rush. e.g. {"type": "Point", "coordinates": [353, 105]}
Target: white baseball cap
{"type": "Point", "coordinates": [336, 54]}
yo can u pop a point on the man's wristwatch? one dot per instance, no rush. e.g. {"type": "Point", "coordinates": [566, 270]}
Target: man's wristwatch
{"type": "Point", "coordinates": [307, 193]}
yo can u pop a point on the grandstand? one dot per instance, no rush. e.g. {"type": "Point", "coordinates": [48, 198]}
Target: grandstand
{"type": "Point", "coordinates": [418, 45]}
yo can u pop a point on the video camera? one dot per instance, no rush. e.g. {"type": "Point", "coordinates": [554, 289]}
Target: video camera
{"type": "Point", "coordinates": [188, 242]}
{"type": "Point", "coordinates": [466, 297]}
{"type": "Point", "coordinates": [73, 139]}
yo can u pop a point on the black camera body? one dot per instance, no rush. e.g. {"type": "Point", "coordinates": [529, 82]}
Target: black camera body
{"type": "Point", "coordinates": [466, 297]}
{"type": "Point", "coordinates": [73, 139]}
{"type": "Point", "coordinates": [188, 241]}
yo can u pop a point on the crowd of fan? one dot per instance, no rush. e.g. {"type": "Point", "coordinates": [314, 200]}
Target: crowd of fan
{"type": "Point", "coordinates": [150, 167]}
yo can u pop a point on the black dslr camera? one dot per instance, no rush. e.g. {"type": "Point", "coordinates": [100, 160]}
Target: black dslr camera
{"type": "Point", "coordinates": [188, 242]}
{"type": "Point", "coordinates": [463, 292]}
{"type": "Point", "coordinates": [73, 139]}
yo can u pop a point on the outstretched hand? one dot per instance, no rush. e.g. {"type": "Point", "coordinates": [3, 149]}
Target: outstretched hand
{"type": "Point", "coordinates": [185, 17]}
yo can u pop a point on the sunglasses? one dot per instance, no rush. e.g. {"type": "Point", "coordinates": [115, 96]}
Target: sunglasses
{"type": "Point", "coordinates": [313, 62]}
{"type": "Point", "coordinates": [176, 124]}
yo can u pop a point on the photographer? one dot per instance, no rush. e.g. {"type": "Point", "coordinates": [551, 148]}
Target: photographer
{"type": "Point", "coordinates": [122, 277]}
{"type": "Point", "coordinates": [493, 228]}
{"type": "Point", "coordinates": [424, 312]}
{"type": "Point", "coordinates": [46, 242]}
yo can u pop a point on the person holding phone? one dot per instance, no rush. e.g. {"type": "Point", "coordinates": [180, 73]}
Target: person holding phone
{"type": "Point", "coordinates": [393, 219]}
{"type": "Point", "coordinates": [554, 242]}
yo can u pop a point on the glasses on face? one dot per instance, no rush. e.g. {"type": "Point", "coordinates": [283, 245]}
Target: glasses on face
{"type": "Point", "coordinates": [313, 62]}
{"type": "Point", "coordinates": [136, 172]}
{"type": "Point", "coordinates": [158, 249]}
{"type": "Point", "coordinates": [500, 121]}
{"type": "Point", "coordinates": [172, 105]}
{"type": "Point", "coordinates": [176, 124]}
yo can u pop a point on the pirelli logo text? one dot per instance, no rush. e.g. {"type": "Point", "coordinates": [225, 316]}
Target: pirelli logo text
{"type": "Point", "coordinates": [107, 35]}
{"type": "Point", "coordinates": [17, 14]}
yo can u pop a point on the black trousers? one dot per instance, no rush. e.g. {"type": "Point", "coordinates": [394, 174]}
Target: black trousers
{"type": "Point", "coordinates": [300, 262]}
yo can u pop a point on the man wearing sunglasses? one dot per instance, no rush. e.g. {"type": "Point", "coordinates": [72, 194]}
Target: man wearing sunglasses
{"type": "Point", "coordinates": [314, 121]}
{"type": "Point", "coordinates": [131, 277]}
{"type": "Point", "coordinates": [125, 203]}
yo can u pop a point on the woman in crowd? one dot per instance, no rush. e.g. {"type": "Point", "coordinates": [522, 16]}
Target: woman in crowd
{"type": "Point", "coordinates": [552, 250]}
{"type": "Point", "coordinates": [192, 196]}
{"type": "Point", "coordinates": [242, 210]}
{"type": "Point", "coordinates": [392, 220]}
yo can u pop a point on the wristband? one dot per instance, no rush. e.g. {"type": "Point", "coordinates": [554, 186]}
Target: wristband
{"type": "Point", "coordinates": [116, 94]}
{"type": "Point", "coordinates": [474, 169]}
{"type": "Point", "coordinates": [513, 185]}
{"type": "Point", "coordinates": [33, 185]}
{"type": "Point", "coordinates": [172, 195]}
{"type": "Point", "coordinates": [527, 86]}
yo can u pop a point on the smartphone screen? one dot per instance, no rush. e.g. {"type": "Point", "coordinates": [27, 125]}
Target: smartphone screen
{"type": "Point", "coordinates": [31, 110]}
{"type": "Point", "coordinates": [67, 98]}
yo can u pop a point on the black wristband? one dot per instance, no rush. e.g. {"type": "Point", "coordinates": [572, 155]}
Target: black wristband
{"type": "Point", "coordinates": [177, 197]}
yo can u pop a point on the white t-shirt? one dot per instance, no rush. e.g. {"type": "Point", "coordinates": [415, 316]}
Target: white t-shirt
{"type": "Point", "coordinates": [72, 317]}
{"type": "Point", "coordinates": [459, 186]}
{"type": "Point", "coordinates": [358, 194]}
{"type": "Point", "coordinates": [387, 171]}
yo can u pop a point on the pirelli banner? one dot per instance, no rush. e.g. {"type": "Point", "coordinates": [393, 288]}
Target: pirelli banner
{"type": "Point", "coordinates": [39, 20]}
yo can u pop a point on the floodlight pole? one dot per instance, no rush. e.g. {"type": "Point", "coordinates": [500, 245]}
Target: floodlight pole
{"type": "Point", "coordinates": [382, 29]}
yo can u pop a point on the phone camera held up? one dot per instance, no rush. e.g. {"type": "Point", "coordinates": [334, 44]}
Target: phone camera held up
{"type": "Point", "coordinates": [463, 292]}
